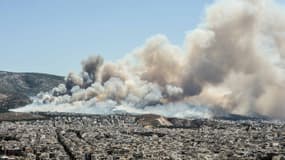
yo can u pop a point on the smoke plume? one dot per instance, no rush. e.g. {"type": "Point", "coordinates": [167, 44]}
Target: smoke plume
{"type": "Point", "coordinates": [233, 60]}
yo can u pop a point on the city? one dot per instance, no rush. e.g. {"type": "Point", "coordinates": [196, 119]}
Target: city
{"type": "Point", "coordinates": [64, 136]}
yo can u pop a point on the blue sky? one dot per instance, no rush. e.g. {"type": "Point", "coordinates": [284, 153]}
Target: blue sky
{"type": "Point", "coordinates": [53, 36]}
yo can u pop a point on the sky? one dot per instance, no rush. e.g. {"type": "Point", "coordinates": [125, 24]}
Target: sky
{"type": "Point", "coordinates": [53, 36]}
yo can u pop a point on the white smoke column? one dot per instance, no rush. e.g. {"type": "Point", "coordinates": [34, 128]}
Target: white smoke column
{"type": "Point", "coordinates": [233, 60]}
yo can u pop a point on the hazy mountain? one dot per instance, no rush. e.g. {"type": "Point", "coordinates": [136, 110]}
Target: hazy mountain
{"type": "Point", "coordinates": [16, 88]}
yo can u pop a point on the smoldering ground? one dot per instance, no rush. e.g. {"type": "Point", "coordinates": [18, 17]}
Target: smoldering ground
{"type": "Point", "coordinates": [233, 60]}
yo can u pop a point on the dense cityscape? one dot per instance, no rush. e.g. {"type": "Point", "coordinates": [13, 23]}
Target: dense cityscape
{"type": "Point", "coordinates": [88, 137]}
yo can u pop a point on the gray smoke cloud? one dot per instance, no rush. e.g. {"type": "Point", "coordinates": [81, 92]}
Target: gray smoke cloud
{"type": "Point", "coordinates": [233, 60]}
{"type": "Point", "coordinates": [91, 66]}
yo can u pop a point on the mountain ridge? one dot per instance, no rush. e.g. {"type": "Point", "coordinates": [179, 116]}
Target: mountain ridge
{"type": "Point", "coordinates": [16, 88]}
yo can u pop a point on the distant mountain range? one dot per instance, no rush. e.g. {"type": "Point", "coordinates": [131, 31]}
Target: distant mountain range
{"type": "Point", "coordinates": [16, 88]}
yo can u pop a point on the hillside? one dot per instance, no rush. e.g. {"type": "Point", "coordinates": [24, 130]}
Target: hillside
{"type": "Point", "coordinates": [16, 88]}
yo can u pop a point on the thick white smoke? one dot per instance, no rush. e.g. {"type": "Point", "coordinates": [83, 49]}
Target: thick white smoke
{"type": "Point", "coordinates": [234, 60]}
